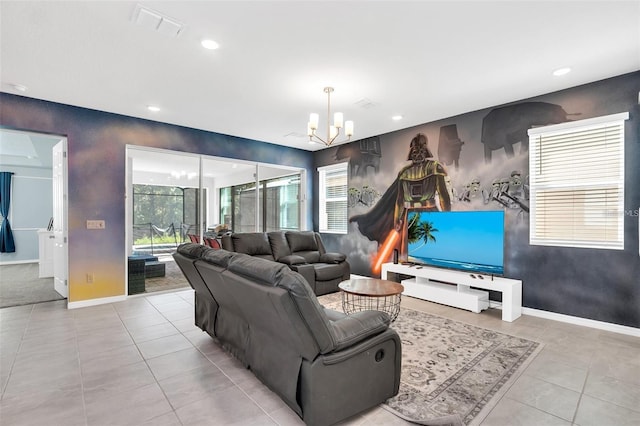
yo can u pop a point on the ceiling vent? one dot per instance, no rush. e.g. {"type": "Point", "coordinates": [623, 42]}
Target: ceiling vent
{"type": "Point", "coordinates": [154, 20]}
{"type": "Point", "coordinates": [365, 103]}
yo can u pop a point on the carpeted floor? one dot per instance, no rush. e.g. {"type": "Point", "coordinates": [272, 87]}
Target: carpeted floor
{"type": "Point", "coordinates": [20, 285]}
{"type": "Point", "coordinates": [452, 372]}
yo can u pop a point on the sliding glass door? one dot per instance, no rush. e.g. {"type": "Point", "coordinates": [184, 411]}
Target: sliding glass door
{"type": "Point", "coordinates": [277, 207]}
{"type": "Point", "coordinates": [177, 197]}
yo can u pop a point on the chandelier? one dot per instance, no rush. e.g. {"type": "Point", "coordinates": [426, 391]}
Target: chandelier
{"type": "Point", "coordinates": [332, 131]}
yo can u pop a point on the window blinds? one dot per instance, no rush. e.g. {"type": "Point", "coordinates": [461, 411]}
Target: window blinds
{"type": "Point", "coordinates": [333, 198]}
{"type": "Point", "coordinates": [577, 183]}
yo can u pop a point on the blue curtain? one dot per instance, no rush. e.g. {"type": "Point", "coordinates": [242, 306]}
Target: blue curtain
{"type": "Point", "coordinates": [7, 244]}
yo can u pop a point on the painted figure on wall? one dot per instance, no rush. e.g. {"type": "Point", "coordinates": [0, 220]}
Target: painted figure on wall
{"type": "Point", "coordinates": [366, 196]}
{"type": "Point", "coordinates": [509, 193]}
{"type": "Point", "coordinates": [470, 191]}
{"type": "Point", "coordinates": [362, 156]}
{"type": "Point", "coordinates": [505, 126]}
{"type": "Point", "coordinates": [449, 145]}
{"type": "Point", "coordinates": [423, 183]}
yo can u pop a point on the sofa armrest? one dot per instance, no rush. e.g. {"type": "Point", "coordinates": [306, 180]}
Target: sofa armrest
{"type": "Point", "coordinates": [292, 259]}
{"type": "Point", "coordinates": [357, 327]}
{"type": "Point", "coordinates": [332, 258]}
{"type": "Point", "coordinates": [365, 345]}
{"type": "Point", "coordinates": [308, 273]}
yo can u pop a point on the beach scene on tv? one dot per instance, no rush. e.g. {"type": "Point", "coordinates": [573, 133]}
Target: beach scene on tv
{"type": "Point", "coordinates": [470, 241]}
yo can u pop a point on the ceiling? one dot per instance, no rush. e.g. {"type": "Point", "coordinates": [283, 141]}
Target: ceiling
{"type": "Point", "coordinates": [424, 60]}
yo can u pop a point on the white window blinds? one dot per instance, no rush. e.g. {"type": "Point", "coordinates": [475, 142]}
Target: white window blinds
{"type": "Point", "coordinates": [333, 198]}
{"type": "Point", "coordinates": [577, 183]}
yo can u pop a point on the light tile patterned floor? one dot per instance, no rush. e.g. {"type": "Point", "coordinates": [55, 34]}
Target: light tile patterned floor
{"type": "Point", "coordinates": [143, 362]}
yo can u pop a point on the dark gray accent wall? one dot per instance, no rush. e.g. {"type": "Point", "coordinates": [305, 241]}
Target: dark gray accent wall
{"type": "Point", "coordinates": [475, 149]}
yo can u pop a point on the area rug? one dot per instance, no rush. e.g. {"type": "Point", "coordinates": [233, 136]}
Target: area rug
{"type": "Point", "coordinates": [452, 373]}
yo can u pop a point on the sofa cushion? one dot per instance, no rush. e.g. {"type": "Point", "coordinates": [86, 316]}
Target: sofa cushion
{"type": "Point", "coordinates": [218, 257]}
{"type": "Point", "coordinates": [302, 241]}
{"type": "Point", "coordinates": [333, 258]}
{"type": "Point", "coordinates": [292, 260]}
{"type": "Point", "coordinates": [253, 244]}
{"type": "Point", "coordinates": [327, 271]}
{"type": "Point", "coordinates": [279, 246]}
{"type": "Point", "coordinates": [266, 272]}
{"type": "Point", "coordinates": [192, 250]}
{"type": "Point", "coordinates": [309, 308]}
{"type": "Point", "coordinates": [310, 256]}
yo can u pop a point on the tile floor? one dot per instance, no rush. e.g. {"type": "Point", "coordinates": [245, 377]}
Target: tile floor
{"type": "Point", "coordinates": [143, 362]}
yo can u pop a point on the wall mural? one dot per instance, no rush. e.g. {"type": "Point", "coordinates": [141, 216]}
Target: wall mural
{"type": "Point", "coordinates": [503, 127]}
{"type": "Point", "coordinates": [437, 182]}
{"type": "Point", "coordinates": [479, 161]}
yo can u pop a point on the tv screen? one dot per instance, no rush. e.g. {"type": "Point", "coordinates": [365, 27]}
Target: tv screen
{"type": "Point", "coordinates": [465, 240]}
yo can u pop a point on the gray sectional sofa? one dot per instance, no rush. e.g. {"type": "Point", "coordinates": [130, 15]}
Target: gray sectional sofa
{"type": "Point", "coordinates": [325, 365]}
{"type": "Point", "coordinates": [302, 251]}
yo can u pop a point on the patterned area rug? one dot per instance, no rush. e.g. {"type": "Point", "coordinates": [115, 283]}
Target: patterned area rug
{"type": "Point", "coordinates": [452, 373]}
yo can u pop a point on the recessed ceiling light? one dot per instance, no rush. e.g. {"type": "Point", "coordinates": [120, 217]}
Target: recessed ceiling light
{"type": "Point", "coordinates": [209, 44]}
{"type": "Point", "coordinates": [18, 87]}
{"type": "Point", "coordinates": [396, 117]}
{"type": "Point", "coordinates": [562, 71]}
{"type": "Point", "coordinates": [153, 108]}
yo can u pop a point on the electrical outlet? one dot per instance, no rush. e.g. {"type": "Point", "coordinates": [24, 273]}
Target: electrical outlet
{"type": "Point", "coordinates": [95, 224]}
{"type": "Point", "coordinates": [89, 278]}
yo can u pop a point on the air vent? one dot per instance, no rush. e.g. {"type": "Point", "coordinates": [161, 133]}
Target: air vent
{"type": "Point", "coordinates": [365, 103]}
{"type": "Point", "coordinates": [156, 21]}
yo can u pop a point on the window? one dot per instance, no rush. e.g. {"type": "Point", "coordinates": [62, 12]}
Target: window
{"type": "Point", "coordinates": [279, 205]}
{"type": "Point", "coordinates": [333, 198]}
{"type": "Point", "coordinates": [577, 183]}
{"type": "Point", "coordinates": [164, 214]}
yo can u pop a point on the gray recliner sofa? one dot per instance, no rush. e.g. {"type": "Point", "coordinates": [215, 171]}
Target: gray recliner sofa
{"type": "Point", "coordinates": [325, 365]}
{"type": "Point", "coordinates": [302, 251]}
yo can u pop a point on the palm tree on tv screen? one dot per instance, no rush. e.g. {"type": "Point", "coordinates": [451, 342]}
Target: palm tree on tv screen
{"type": "Point", "coordinates": [420, 230]}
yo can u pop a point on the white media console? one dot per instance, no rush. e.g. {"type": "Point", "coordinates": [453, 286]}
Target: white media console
{"type": "Point", "coordinates": [453, 288]}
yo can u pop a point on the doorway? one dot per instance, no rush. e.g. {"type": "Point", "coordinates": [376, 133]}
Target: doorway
{"type": "Point", "coordinates": [175, 197]}
{"type": "Point", "coordinates": [37, 270]}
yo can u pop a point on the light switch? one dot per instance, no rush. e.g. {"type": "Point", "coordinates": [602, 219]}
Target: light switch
{"type": "Point", "coordinates": [95, 224]}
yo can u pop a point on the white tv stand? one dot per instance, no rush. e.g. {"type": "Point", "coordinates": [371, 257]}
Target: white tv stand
{"type": "Point", "coordinates": [453, 288]}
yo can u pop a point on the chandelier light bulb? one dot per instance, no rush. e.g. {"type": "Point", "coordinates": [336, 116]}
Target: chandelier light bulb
{"type": "Point", "coordinates": [348, 128]}
{"type": "Point", "coordinates": [338, 120]}
{"type": "Point", "coordinates": [313, 120]}
{"type": "Point", "coordinates": [333, 131]}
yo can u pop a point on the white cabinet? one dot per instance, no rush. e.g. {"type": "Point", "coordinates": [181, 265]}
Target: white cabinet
{"type": "Point", "coordinates": [454, 288]}
{"type": "Point", "coordinates": [45, 250]}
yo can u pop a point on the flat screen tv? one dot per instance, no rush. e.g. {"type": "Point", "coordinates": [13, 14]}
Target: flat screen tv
{"type": "Point", "coordinates": [471, 241]}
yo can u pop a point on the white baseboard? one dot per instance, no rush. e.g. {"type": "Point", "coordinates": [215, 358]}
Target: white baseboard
{"type": "Point", "coordinates": [94, 302]}
{"type": "Point", "coordinates": [600, 325]}
{"type": "Point", "coordinates": [18, 262]}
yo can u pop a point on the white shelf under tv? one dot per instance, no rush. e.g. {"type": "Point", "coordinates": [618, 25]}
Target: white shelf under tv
{"type": "Point", "coordinates": [454, 288]}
